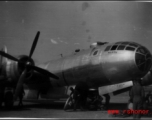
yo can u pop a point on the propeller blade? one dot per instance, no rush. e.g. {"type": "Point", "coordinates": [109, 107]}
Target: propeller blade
{"type": "Point", "coordinates": [8, 56]}
{"type": "Point", "coordinates": [19, 86]}
{"type": "Point", "coordinates": [34, 44]}
{"type": "Point", "coordinates": [43, 71]}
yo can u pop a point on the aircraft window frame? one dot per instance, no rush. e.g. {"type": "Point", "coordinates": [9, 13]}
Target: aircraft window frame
{"type": "Point", "coordinates": [142, 66]}
{"type": "Point", "coordinates": [133, 45]}
{"type": "Point", "coordinates": [130, 48]}
{"type": "Point", "coordinates": [114, 47]}
{"type": "Point", "coordinates": [108, 48]}
{"type": "Point", "coordinates": [140, 58]}
{"type": "Point", "coordinates": [125, 43]}
{"type": "Point", "coordinates": [148, 62]}
{"type": "Point", "coordinates": [141, 50]}
{"type": "Point", "coordinates": [124, 46]}
{"type": "Point", "coordinates": [148, 56]}
{"type": "Point", "coordinates": [95, 52]}
{"type": "Point", "coordinates": [118, 42]}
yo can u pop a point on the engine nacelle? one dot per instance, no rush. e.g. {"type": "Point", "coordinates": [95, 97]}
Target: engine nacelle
{"type": "Point", "coordinates": [14, 69]}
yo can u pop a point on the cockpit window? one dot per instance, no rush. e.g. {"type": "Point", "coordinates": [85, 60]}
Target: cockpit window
{"type": "Point", "coordinates": [130, 48]}
{"type": "Point", "coordinates": [148, 56]}
{"type": "Point", "coordinates": [121, 47]}
{"type": "Point", "coordinates": [141, 50]}
{"type": "Point", "coordinates": [114, 47]}
{"type": "Point", "coordinates": [107, 48]}
{"type": "Point", "coordinates": [95, 52]}
{"type": "Point", "coordinates": [140, 58]}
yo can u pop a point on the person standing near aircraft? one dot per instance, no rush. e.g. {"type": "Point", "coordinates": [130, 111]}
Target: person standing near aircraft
{"type": "Point", "coordinates": [21, 97]}
{"type": "Point", "coordinates": [80, 95]}
{"type": "Point", "coordinates": [107, 100]}
{"type": "Point", "coordinates": [72, 91]}
{"type": "Point", "coordinates": [76, 99]}
{"type": "Point", "coordinates": [2, 88]}
{"type": "Point", "coordinates": [137, 93]}
{"type": "Point", "coordinates": [148, 98]}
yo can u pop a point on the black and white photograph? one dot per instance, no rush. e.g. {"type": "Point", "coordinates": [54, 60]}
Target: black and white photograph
{"type": "Point", "coordinates": [76, 59]}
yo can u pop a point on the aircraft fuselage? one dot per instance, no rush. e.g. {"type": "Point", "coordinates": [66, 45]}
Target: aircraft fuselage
{"type": "Point", "coordinates": [101, 65]}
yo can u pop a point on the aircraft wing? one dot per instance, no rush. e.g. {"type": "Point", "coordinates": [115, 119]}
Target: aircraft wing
{"type": "Point", "coordinates": [121, 87]}
{"type": "Point", "coordinates": [124, 86]}
{"type": "Point", "coordinates": [116, 88]}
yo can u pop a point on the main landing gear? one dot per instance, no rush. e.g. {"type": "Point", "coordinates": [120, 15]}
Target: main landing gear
{"type": "Point", "coordinates": [6, 96]}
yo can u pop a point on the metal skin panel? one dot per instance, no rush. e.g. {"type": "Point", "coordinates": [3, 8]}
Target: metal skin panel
{"type": "Point", "coordinates": [11, 70]}
{"type": "Point", "coordinates": [85, 67]}
{"type": "Point", "coordinates": [56, 68]}
{"type": "Point", "coordinates": [81, 66]}
{"type": "Point", "coordinates": [119, 65]}
{"type": "Point", "coordinates": [14, 71]}
{"type": "Point", "coordinates": [105, 68]}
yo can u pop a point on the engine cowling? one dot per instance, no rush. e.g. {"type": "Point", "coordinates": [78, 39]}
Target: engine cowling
{"type": "Point", "coordinates": [14, 69]}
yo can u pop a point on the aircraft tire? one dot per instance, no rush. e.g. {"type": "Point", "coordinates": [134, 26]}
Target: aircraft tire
{"type": "Point", "coordinates": [8, 100]}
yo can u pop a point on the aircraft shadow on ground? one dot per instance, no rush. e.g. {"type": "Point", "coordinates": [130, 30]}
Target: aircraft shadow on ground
{"type": "Point", "coordinates": [14, 108]}
{"type": "Point", "coordinates": [46, 106]}
{"type": "Point", "coordinates": [60, 106]}
{"type": "Point", "coordinates": [27, 106]}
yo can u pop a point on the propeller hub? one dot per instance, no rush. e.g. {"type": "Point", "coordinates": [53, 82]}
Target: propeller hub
{"type": "Point", "coordinates": [24, 62]}
{"type": "Point", "coordinates": [28, 63]}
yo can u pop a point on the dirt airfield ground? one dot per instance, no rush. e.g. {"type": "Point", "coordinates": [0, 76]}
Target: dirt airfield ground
{"type": "Point", "coordinates": [49, 109]}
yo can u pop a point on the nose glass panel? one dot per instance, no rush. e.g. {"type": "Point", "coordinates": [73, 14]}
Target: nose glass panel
{"type": "Point", "coordinates": [143, 59]}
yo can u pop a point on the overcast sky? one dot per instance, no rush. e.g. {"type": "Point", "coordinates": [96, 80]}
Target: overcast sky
{"type": "Point", "coordinates": [68, 25]}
